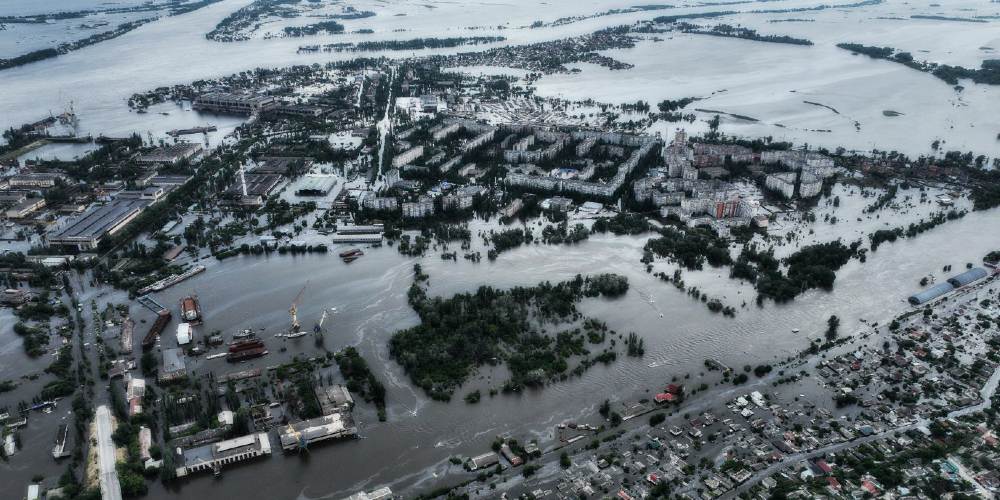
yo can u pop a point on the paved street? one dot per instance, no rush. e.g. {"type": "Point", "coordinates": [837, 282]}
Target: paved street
{"type": "Point", "coordinates": [110, 489]}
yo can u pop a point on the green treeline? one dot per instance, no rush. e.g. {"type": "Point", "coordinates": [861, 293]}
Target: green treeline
{"type": "Point", "coordinates": [726, 30]}
{"type": "Point", "coordinates": [891, 235]}
{"type": "Point", "coordinates": [417, 43]}
{"type": "Point", "coordinates": [814, 266]}
{"type": "Point", "coordinates": [691, 248]}
{"type": "Point", "coordinates": [360, 379]}
{"type": "Point", "coordinates": [988, 74]}
{"type": "Point", "coordinates": [490, 326]}
{"type": "Point", "coordinates": [313, 29]}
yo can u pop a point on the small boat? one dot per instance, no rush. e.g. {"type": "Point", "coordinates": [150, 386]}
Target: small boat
{"type": "Point", "coordinates": [245, 333]}
{"type": "Point", "coordinates": [795, 330]}
{"type": "Point", "coordinates": [351, 253]}
{"type": "Point", "coordinates": [352, 258]}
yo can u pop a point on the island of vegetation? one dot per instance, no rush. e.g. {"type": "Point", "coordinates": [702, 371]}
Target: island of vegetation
{"type": "Point", "coordinates": [729, 31]}
{"type": "Point", "coordinates": [490, 326]}
{"type": "Point", "coordinates": [988, 73]}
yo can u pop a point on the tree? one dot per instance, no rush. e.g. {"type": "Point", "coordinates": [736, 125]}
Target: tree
{"type": "Point", "coordinates": [832, 325]}
{"type": "Point", "coordinates": [564, 461]}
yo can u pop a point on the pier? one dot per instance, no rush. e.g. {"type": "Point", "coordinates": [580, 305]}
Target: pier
{"type": "Point", "coordinates": [150, 303]}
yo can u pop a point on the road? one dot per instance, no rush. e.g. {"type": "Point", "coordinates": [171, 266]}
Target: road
{"type": "Point", "coordinates": [110, 488]}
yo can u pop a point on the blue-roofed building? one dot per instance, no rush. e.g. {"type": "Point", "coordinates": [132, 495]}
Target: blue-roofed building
{"type": "Point", "coordinates": [931, 293]}
{"type": "Point", "coordinates": [974, 274]}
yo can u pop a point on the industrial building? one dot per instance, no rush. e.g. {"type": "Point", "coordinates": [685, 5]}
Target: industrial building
{"type": "Point", "coordinates": [334, 398]}
{"type": "Point", "coordinates": [307, 432]}
{"type": "Point", "coordinates": [24, 208]}
{"type": "Point", "coordinates": [357, 238]}
{"type": "Point", "coordinates": [359, 229]}
{"type": "Point", "coordinates": [87, 231]}
{"type": "Point", "coordinates": [38, 180]}
{"type": "Point", "coordinates": [173, 365]}
{"type": "Point", "coordinates": [170, 155]}
{"type": "Point", "coordinates": [958, 281]}
{"type": "Point", "coordinates": [931, 293]}
{"type": "Point", "coordinates": [974, 274]}
{"type": "Point", "coordinates": [216, 455]}
{"type": "Point", "coordinates": [317, 186]}
{"type": "Point", "coordinates": [237, 104]}
{"type": "Point", "coordinates": [483, 461]}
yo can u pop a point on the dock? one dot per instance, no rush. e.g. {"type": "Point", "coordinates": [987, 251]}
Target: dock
{"type": "Point", "coordinates": [150, 303]}
{"type": "Point", "coordinates": [59, 449]}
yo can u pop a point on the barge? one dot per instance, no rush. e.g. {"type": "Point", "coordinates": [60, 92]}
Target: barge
{"type": "Point", "coordinates": [162, 320]}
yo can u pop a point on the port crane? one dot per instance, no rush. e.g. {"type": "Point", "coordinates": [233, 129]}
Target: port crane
{"type": "Point", "coordinates": [293, 311]}
{"type": "Point", "coordinates": [319, 326]}
{"type": "Point", "coordinates": [298, 437]}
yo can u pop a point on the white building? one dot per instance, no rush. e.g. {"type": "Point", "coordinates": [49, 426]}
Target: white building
{"type": "Point", "coordinates": [418, 209]}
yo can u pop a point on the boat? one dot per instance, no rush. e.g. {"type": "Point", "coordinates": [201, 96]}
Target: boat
{"type": "Point", "coordinates": [354, 252]}
{"type": "Point", "coordinates": [191, 131]}
{"type": "Point", "coordinates": [191, 309]}
{"type": "Point", "coordinates": [294, 335]}
{"type": "Point", "coordinates": [162, 319]}
{"type": "Point", "coordinates": [352, 258]}
{"type": "Point", "coordinates": [245, 349]}
{"type": "Point", "coordinates": [795, 330]}
{"type": "Point", "coordinates": [245, 333]}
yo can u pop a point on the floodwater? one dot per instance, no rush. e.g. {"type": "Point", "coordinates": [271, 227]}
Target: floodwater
{"type": "Point", "coordinates": [762, 80]}
{"type": "Point", "coordinates": [410, 452]}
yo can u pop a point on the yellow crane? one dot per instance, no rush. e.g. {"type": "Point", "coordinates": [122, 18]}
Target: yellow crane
{"type": "Point", "coordinates": [294, 309]}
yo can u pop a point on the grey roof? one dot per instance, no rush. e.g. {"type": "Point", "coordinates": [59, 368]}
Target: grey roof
{"type": "Point", "coordinates": [97, 221]}
{"type": "Point", "coordinates": [931, 293]}
{"type": "Point", "coordinates": [173, 360]}
{"type": "Point", "coordinates": [967, 277]}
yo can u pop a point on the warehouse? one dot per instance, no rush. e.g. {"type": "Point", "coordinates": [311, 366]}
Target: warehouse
{"type": "Point", "coordinates": [931, 293]}
{"type": "Point", "coordinates": [967, 277]}
{"type": "Point", "coordinates": [302, 434]}
{"type": "Point", "coordinates": [170, 155]}
{"type": "Point", "coordinates": [316, 186]}
{"type": "Point", "coordinates": [87, 231]}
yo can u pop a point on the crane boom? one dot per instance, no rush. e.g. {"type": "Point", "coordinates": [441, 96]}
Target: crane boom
{"type": "Point", "coordinates": [294, 309]}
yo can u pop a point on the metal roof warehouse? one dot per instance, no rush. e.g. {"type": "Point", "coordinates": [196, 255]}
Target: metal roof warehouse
{"type": "Point", "coordinates": [87, 231]}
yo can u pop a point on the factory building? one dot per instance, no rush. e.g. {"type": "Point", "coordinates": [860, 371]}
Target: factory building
{"type": "Point", "coordinates": [170, 155]}
{"type": "Point", "coordinates": [214, 456]}
{"type": "Point", "coordinates": [317, 186]}
{"type": "Point", "coordinates": [968, 277]}
{"type": "Point", "coordinates": [88, 230]}
{"type": "Point", "coordinates": [930, 293]}
{"type": "Point", "coordinates": [237, 104]}
{"type": "Point", "coordinates": [302, 434]}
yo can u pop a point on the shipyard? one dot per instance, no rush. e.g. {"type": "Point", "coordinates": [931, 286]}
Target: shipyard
{"type": "Point", "coordinates": [315, 249]}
